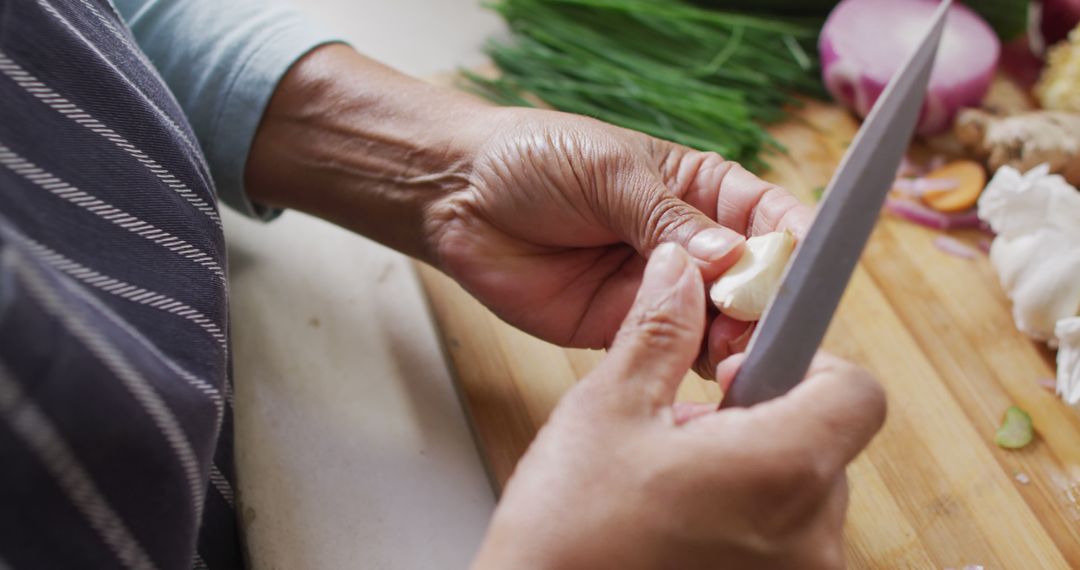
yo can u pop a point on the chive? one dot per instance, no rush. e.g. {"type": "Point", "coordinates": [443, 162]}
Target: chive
{"type": "Point", "coordinates": [709, 79]}
{"type": "Point", "coordinates": [1016, 430]}
{"type": "Point", "coordinates": [1009, 18]}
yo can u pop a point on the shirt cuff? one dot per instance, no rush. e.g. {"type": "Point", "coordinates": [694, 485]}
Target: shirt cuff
{"type": "Point", "coordinates": [222, 61]}
{"type": "Point", "coordinates": [244, 102]}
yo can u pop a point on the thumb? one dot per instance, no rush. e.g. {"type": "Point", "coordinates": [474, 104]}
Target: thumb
{"type": "Point", "coordinates": [661, 335]}
{"type": "Point", "coordinates": [832, 415]}
{"type": "Point", "coordinates": [666, 218]}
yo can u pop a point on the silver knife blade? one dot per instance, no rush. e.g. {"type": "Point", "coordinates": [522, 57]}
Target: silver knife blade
{"type": "Point", "coordinates": [794, 324]}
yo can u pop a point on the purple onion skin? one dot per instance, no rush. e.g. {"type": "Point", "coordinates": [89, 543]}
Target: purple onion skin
{"type": "Point", "coordinates": [1059, 17]}
{"type": "Point", "coordinates": [847, 82]}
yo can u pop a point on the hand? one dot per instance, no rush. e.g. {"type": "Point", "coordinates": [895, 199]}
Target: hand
{"type": "Point", "coordinates": [619, 478]}
{"type": "Point", "coordinates": [560, 212]}
{"type": "Point", "coordinates": [546, 217]}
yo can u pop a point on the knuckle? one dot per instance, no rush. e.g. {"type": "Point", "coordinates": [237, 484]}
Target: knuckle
{"type": "Point", "coordinates": [862, 388]}
{"type": "Point", "coordinates": [664, 219]}
{"type": "Point", "coordinates": [877, 403]}
{"type": "Point", "coordinates": [829, 555]}
{"type": "Point", "coordinates": [659, 330]}
{"type": "Point", "coordinates": [871, 394]}
{"type": "Point", "coordinates": [813, 475]}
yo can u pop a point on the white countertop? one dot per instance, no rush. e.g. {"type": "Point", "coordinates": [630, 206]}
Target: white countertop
{"type": "Point", "coordinates": [352, 447]}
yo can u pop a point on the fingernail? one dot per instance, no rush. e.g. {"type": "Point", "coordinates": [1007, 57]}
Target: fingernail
{"type": "Point", "coordinates": [713, 244]}
{"type": "Point", "coordinates": [664, 269]}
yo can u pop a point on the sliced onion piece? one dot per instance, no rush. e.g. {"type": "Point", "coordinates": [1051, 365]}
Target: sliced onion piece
{"type": "Point", "coordinates": [936, 162]}
{"type": "Point", "coordinates": [954, 247]}
{"type": "Point", "coordinates": [917, 213]}
{"type": "Point", "coordinates": [964, 220]}
{"type": "Point", "coordinates": [908, 168]}
{"type": "Point", "coordinates": [916, 187]}
{"type": "Point", "coordinates": [923, 216]}
{"type": "Point", "coordinates": [864, 42]}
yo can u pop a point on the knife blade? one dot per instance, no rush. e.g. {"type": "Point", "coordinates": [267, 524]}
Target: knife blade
{"type": "Point", "coordinates": [792, 327]}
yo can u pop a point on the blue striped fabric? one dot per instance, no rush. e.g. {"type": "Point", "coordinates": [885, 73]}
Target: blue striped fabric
{"type": "Point", "coordinates": [115, 412]}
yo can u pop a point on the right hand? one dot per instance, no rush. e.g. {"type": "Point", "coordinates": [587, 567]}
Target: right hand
{"type": "Point", "coordinates": [620, 477]}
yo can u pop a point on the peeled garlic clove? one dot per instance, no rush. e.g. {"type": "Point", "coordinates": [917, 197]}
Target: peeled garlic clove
{"type": "Point", "coordinates": [744, 291]}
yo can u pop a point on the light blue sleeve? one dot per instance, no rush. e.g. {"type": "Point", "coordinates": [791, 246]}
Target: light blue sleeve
{"type": "Point", "coordinates": [222, 61]}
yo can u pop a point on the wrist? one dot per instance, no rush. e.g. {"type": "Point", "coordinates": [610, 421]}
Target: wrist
{"type": "Point", "coordinates": [363, 146]}
{"type": "Point", "coordinates": [504, 548]}
{"type": "Point", "coordinates": [515, 539]}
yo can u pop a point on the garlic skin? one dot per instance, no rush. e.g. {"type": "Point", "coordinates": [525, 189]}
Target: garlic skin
{"type": "Point", "coordinates": [1068, 360]}
{"type": "Point", "coordinates": [1042, 279]}
{"type": "Point", "coordinates": [1037, 250]}
{"type": "Point", "coordinates": [1037, 256]}
{"type": "Point", "coordinates": [744, 291]}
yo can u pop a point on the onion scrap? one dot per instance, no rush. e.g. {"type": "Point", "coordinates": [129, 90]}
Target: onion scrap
{"type": "Point", "coordinates": [933, 219]}
{"type": "Point", "coordinates": [954, 247]}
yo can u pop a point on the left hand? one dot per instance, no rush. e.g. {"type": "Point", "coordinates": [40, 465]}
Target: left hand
{"type": "Point", "coordinates": [545, 217]}
{"type": "Point", "coordinates": [561, 212]}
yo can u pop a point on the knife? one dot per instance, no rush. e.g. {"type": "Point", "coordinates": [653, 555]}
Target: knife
{"type": "Point", "coordinates": [795, 322]}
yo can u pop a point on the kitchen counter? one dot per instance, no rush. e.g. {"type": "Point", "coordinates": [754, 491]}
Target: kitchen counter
{"type": "Point", "coordinates": [352, 448]}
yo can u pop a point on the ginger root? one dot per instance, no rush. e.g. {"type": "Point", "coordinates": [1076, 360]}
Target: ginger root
{"type": "Point", "coordinates": [1024, 141]}
{"type": "Point", "coordinates": [1059, 85]}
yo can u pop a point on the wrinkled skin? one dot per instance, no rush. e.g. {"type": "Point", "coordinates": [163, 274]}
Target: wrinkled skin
{"type": "Point", "coordinates": [560, 213]}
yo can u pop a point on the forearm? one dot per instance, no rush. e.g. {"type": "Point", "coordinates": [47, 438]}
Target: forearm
{"type": "Point", "coordinates": [361, 145]}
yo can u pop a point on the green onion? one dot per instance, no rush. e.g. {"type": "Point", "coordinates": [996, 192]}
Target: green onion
{"type": "Point", "coordinates": [1016, 430]}
{"type": "Point", "coordinates": [1009, 18]}
{"type": "Point", "coordinates": [712, 80]}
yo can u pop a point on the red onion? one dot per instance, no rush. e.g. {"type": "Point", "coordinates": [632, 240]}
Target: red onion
{"type": "Point", "coordinates": [1059, 17]}
{"type": "Point", "coordinates": [955, 247]}
{"type": "Point", "coordinates": [864, 42]}
{"type": "Point", "coordinates": [1020, 60]}
{"type": "Point", "coordinates": [985, 244]}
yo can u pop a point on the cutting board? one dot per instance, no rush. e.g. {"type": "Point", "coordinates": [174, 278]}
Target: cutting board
{"type": "Point", "coordinates": [932, 490]}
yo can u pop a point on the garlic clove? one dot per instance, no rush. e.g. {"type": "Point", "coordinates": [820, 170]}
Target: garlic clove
{"type": "Point", "coordinates": [744, 291]}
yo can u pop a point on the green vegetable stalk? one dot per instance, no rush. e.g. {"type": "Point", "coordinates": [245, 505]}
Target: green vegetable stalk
{"type": "Point", "coordinates": [1016, 430]}
{"type": "Point", "coordinates": [707, 79]}
{"type": "Point", "coordinates": [1009, 18]}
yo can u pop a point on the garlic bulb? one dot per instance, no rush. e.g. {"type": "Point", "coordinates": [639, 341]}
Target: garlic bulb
{"type": "Point", "coordinates": [1037, 256]}
{"type": "Point", "coordinates": [744, 291]}
{"type": "Point", "coordinates": [1037, 250]}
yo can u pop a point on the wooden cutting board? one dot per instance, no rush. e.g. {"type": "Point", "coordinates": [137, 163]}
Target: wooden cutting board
{"type": "Point", "coordinates": [932, 490]}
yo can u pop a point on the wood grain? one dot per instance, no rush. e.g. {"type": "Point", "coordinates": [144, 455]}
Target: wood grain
{"type": "Point", "coordinates": [932, 490]}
